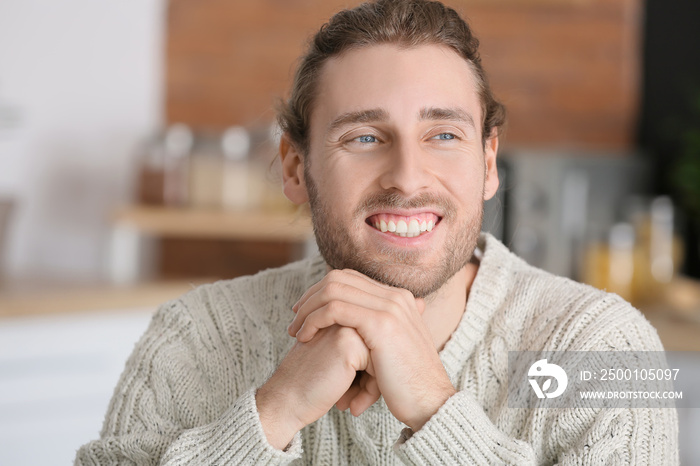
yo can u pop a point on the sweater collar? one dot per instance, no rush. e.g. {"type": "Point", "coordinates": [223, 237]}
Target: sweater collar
{"type": "Point", "coordinates": [487, 292]}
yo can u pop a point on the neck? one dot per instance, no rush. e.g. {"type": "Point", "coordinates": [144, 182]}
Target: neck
{"type": "Point", "coordinates": [444, 309]}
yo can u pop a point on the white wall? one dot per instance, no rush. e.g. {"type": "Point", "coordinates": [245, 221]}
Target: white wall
{"type": "Point", "coordinates": [86, 77]}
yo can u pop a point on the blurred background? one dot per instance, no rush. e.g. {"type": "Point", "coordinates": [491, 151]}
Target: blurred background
{"type": "Point", "coordinates": [137, 146]}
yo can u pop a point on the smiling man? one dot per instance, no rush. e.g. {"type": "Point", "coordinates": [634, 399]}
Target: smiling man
{"type": "Point", "coordinates": [391, 346]}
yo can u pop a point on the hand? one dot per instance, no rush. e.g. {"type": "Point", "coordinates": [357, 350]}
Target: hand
{"type": "Point", "coordinates": [313, 376]}
{"type": "Point", "coordinates": [406, 367]}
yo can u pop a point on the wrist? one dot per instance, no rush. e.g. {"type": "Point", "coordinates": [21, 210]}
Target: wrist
{"type": "Point", "coordinates": [430, 410]}
{"type": "Point", "coordinates": [276, 418]}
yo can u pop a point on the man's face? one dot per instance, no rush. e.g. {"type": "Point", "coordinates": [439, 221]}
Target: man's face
{"type": "Point", "coordinates": [396, 167]}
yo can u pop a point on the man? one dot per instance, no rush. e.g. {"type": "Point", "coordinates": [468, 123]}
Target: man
{"type": "Point", "coordinates": [391, 135]}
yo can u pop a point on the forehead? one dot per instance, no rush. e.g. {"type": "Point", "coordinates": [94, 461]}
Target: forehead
{"type": "Point", "coordinates": [400, 80]}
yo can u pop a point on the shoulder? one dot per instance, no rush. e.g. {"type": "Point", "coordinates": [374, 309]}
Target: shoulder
{"type": "Point", "coordinates": [252, 304]}
{"type": "Point", "coordinates": [556, 312]}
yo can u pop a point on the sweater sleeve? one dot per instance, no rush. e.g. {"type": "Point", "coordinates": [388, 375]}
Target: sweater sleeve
{"type": "Point", "coordinates": [462, 433]}
{"type": "Point", "coordinates": [235, 438]}
{"type": "Point", "coordinates": [185, 399]}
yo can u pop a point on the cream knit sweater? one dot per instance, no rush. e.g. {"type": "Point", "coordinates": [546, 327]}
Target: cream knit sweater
{"type": "Point", "coordinates": [187, 393]}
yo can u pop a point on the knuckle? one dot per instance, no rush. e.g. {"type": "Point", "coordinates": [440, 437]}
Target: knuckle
{"type": "Point", "coordinates": [346, 336]}
{"type": "Point", "coordinates": [334, 274]}
{"type": "Point", "coordinates": [406, 294]}
{"type": "Point", "coordinates": [334, 307]}
{"type": "Point", "coordinates": [332, 289]}
{"type": "Point", "coordinates": [394, 307]}
{"type": "Point", "coordinates": [384, 324]}
{"type": "Point", "coordinates": [309, 326]}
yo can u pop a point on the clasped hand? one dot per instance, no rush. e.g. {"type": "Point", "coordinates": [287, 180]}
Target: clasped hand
{"type": "Point", "coordinates": [403, 364]}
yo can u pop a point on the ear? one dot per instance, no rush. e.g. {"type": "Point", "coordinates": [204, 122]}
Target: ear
{"type": "Point", "coordinates": [491, 149]}
{"type": "Point", "coordinates": [293, 184]}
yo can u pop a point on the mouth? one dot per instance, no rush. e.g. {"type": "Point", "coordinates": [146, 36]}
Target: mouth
{"type": "Point", "coordinates": [404, 226]}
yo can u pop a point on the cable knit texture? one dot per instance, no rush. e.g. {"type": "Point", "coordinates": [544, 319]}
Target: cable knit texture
{"type": "Point", "coordinates": [187, 395]}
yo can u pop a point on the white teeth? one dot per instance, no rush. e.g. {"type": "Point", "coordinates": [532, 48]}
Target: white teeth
{"type": "Point", "coordinates": [401, 227]}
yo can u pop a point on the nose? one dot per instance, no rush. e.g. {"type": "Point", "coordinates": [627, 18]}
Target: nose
{"type": "Point", "coordinates": [406, 169]}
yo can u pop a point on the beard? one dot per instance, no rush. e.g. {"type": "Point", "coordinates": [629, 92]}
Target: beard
{"type": "Point", "coordinates": [393, 266]}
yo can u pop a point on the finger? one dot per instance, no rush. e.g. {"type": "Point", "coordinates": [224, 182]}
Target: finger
{"type": "Point", "coordinates": [344, 402]}
{"type": "Point", "coordinates": [340, 313]}
{"type": "Point", "coordinates": [292, 329]}
{"type": "Point", "coordinates": [341, 292]}
{"type": "Point", "coordinates": [361, 402]}
{"type": "Point", "coordinates": [333, 275]}
{"type": "Point", "coordinates": [348, 276]}
{"type": "Point", "coordinates": [345, 285]}
{"type": "Point", "coordinates": [313, 289]}
{"type": "Point", "coordinates": [367, 396]}
{"type": "Point", "coordinates": [407, 295]}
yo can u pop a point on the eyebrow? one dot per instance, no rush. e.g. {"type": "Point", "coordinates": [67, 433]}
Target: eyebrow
{"type": "Point", "coordinates": [378, 115]}
{"type": "Point", "coordinates": [452, 114]}
{"type": "Point", "coordinates": [361, 116]}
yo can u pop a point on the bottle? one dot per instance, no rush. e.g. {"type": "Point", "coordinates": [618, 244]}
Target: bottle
{"type": "Point", "coordinates": [205, 173]}
{"type": "Point", "coordinates": [151, 173]}
{"type": "Point", "coordinates": [621, 266]}
{"type": "Point", "coordinates": [177, 146]}
{"type": "Point", "coordinates": [236, 189]}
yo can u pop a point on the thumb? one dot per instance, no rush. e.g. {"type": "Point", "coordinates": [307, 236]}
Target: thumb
{"type": "Point", "coordinates": [367, 395]}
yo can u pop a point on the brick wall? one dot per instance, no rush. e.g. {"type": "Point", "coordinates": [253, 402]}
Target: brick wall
{"type": "Point", "coordinates": [567, 70]}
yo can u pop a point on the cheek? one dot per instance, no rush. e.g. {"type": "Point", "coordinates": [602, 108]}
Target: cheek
{"type": "Point", "coordinates": [344, 177]}
{"type": "Point", "coordinates": [338, 191]}
{"type": "Point", "coordinates": [465, 178]}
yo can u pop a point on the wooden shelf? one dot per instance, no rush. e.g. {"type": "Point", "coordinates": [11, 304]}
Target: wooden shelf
{"type": "Point", "coordinates": [219, 224]}
{"type": "Point", "coordinates": [90, 298]}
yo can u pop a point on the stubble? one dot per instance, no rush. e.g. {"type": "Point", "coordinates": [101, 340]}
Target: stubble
{"type": "Point", "coordinates": [393, 266]}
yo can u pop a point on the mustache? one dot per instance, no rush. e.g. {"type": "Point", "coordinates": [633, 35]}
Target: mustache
{"type": "Point", "coordinates": [395, 200]}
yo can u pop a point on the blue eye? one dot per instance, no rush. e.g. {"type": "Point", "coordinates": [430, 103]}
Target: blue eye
{"type": "Point", "coordinates": [445, 136]}
{"type": "Point", "coordinates": [366, 139]}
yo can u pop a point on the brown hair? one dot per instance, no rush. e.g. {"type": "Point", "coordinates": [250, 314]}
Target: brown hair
{"type": "Point", "coordinates": [407, 23]}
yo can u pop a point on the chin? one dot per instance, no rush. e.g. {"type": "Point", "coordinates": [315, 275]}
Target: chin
{"type": "Point", "coordinates": [420, 280]}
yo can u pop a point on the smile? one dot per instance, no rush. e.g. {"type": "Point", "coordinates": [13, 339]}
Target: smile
{"type": "Point", "coordinates": [404, 226]}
